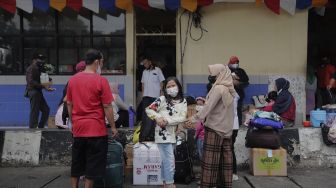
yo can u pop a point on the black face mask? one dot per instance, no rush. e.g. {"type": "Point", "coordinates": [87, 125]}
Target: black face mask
{"type": "Point", "coordinates": [212, 79]}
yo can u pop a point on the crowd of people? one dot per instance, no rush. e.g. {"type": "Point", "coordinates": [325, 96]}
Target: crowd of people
{"type": "Point", "coordinates": [90, 103]}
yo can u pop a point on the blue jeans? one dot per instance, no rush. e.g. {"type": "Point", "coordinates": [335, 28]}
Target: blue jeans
{"type": "Point", "coordinates": [168, 162]}
{"type": "Point", "coordinates": [200, 148]}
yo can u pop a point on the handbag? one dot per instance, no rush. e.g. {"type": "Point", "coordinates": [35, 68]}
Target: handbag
{"type": "Point", "coordinates": [262, 138]}
{"type": "Point", "coordinates": [259, 101]}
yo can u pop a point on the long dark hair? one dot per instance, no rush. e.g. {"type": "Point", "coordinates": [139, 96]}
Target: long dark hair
{"type": "Point", "coordinates": [179, 95]}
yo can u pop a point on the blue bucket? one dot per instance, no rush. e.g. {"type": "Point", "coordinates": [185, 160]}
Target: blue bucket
{"type": "Point", "coordinates": [317, 117]}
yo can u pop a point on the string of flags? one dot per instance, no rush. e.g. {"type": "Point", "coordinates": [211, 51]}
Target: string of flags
{"type": "Point", "coordinates": [10, 6]}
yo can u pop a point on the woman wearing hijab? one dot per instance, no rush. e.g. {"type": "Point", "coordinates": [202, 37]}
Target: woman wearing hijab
{"type": "Point", "coordinates": [218, 117]}
{"type": "Point", "coordinates": [284, 104]}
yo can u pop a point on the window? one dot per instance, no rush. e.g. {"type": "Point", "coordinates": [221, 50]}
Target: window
{"type": "Point", "coordinates": [63, 37]}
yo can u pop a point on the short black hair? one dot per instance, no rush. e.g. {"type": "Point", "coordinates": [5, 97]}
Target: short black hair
{"type": "Point", "coordinates": [272, 96]}
{"type": "Point", "coordinates": [92, 55]}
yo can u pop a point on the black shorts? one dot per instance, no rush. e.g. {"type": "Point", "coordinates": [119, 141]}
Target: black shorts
{"type": "Point", "coordinates": [89, 157]}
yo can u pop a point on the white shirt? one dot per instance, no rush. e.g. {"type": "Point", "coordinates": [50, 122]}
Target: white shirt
{"type": "Point", "coordinates": [151, 80]}
{"type": "Point", "coordinates": [235, 120]}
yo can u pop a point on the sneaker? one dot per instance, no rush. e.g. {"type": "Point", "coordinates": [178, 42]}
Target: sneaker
{"type": "Point", "coordinates": [235, 177]}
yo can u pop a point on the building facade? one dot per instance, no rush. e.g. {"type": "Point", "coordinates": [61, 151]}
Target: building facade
{"type": "Point", "coordinates": [268, 46]}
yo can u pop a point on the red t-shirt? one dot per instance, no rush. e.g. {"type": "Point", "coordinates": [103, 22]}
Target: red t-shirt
{"type": "Point", "coordinates": [324, 74]}
{"type": "Point", "coordinates": [88, 92]}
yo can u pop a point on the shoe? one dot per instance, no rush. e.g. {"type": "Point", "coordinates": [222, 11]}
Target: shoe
{"type": "Point", "coordinates": [198, 182]}
{"type": "Point", "coordinates": [235, 177]}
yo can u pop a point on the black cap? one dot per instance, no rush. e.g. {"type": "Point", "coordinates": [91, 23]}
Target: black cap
{"type": "Point", "coordinates": [39, 56]}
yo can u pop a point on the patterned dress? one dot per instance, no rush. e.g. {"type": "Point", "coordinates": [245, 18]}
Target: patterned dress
{"type": "Point", "coordinates": [174, 112]}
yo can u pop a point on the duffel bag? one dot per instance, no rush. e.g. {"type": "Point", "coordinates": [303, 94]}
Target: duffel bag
{"type": "Point", "coordinates": [262, 138]}
{"type": "Point", "coordinates": [262, 122]}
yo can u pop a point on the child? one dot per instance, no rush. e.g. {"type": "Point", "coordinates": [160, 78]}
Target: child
{"type": "Point", "coordinates": [271, 97]}
{"type": "Point", "coordinates": [199, 135]}
{"type": "Point", "coordinates": [168, 111]}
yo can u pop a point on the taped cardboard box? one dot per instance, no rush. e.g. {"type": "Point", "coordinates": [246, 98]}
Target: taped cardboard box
{"type": "Point", "coordinates": [146, 164]}
{"type": "Point", "coordinates": [267, 162]}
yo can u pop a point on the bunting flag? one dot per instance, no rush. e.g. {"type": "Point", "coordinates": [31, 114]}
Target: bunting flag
{"type": "Point", "coordinates": [75, 5]}
{"type": "Point", "coordinates": [142, 4]}
{"type": "Point", "coordinates": [235, 1]}
{"type": "Point", "coordinates": [258, 2]}
{"type": "Point", "coordinates": [8, 5]}
{"type": "Point", "coordinates": [108, 5]}
{"type": "Point", "coordinates": [273, 5]}
{"type": "Point", "coordinates": [124, 4]}
{"type": "Point", "coordinates": [91, 5]}
{"type": "Point", "coordinates": [25, 5]}
{"type": "Point", "coordinates": [288, 5]}
{"type": "Point", "coordinates": [159, 4]}
{"type": "Point", "coordinates": [204, 2]}
{"type": "Point", "coordinates": [303, 4]}
{"type": "Point", "coordinates": [58, 4]}
{"type": "Point", "coordinates": [319, 3]}
{"type": "Point", "coordinates": [172, 4]}
{"type": "Point", "coordinates": [190, 5]}
{"type": "Point", "coordinates": [41, 5]}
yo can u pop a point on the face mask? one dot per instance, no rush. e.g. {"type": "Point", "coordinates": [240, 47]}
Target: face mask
{"type": "Point", "coordinates": [233, 66]}
{"type": "Point", "coordinates": [199, 108]}
{"type": "Point", "coordinates": [173, 91]}
{"type": "Point", "coordinates": [212, 79]}
{"type": "Point", "coordinates": [99, 71]}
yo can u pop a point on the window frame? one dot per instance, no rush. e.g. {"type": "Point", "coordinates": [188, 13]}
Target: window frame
{"type": "Point", "coordinates": [57, 36]}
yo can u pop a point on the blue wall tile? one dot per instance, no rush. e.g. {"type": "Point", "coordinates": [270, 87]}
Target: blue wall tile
{"type": "Point", "coordinates": [197, 90]}
{"type": "Point", "coordinates": [14, 107]}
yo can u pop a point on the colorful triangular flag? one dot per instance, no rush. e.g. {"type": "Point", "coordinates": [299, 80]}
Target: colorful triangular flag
{"type": "Point", "coordinates": [303, 4]}
{"type": "Point", "coordinates": [58, 4]}
{"type": "Point", "coordinates": [124, 4]}
{"type": "Point", "coordinates": [190, 5]}
{"type": "Point", "coordinates": [273, 5]}
{"type": "Point", "coordinates": [159, 4]}
{"type": "Point", "coordinates": [204, 2]}
{"type": "Point", "coordinates": [41, 5]}
{"type": "Point", "coordinates": [8, 5]}
{"type": "Point", "coordinates": [143, 4]}
{"type": "Point", "coordinates": [288, 5]}
{"type": "Point", "coordinates": [25, 5]}
{"type": "Point", "coordinates": [75, 5]}
{"type": "Point", "coordinates": [91, 5]}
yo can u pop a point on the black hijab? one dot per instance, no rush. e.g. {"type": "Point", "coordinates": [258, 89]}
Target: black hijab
{"type": "Point", "coordinates": [284, 99]}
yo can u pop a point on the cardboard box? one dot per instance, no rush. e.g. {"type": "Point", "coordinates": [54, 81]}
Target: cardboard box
{"type": "Point", "coordinates": [146, 164]}
{"type": "Point", "coordinates": [51, 122]}
{"type": "Point", "coordinates": [267, 162]}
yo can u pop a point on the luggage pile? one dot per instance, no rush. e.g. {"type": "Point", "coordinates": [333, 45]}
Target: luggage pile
{"type": "Point", "coordinates": [263, 131]}
{"type": "Point", "coordinates": [267, 157]}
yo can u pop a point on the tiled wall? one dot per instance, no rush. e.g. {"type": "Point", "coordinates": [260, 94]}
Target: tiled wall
{"type": "Point", "coordinates": [199, 90]}
{"type": "Point", "coordinates": [14, 107]}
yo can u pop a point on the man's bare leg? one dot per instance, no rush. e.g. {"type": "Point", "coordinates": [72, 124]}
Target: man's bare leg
{"type": "Point", "coordinates": [88, 183]}
{"type": "Point", "coordinates": [74, 182]}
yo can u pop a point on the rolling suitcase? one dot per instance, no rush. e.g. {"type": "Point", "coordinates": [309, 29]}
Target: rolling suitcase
{"type": "Point", "coordinates": [114, 174]}
{"type": "Point", "coordinates": [183, 163]}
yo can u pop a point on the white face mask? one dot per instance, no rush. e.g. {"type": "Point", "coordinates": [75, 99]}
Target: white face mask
{"type": "Point", "coordinates": [173, 91]}
{"type": "Point", "coordinates": [99, 71]}
{"type": "Point", "coordinates": [198, 108]}
{"type": "Point", "coordinates": [234, 66]}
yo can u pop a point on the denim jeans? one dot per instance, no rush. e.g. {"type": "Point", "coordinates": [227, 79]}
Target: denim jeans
{"type": "Point", "coordinates": [168, 162]}
{"type": "Point", "coordinates": [200, 148]}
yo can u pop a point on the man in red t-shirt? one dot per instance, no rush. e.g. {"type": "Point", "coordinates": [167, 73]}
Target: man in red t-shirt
{"type": "Point", "coordinates": [89, 101]}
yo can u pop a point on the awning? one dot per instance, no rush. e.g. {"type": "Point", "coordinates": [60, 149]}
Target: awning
{"type": "Point", "coordinates": [127, 5]}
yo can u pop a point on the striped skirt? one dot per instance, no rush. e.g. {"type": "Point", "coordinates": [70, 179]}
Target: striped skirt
{"type": "Point", "coordinates": [217, 161]}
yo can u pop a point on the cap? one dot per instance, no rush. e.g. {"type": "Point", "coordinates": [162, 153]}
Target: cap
{"type": "Point", "coordinates": [39, 56]}
{"type": "Point", "coordinates": [80, 66]}
{"type": "Point", "coordinates": [233, 60]}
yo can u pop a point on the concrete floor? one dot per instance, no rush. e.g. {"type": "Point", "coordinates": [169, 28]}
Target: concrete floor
{"type": "Point", "coordinates": [59, 177]}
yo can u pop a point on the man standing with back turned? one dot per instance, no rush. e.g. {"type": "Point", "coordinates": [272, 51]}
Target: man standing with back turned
{"type": "Point", "coordinates": [89, 100]}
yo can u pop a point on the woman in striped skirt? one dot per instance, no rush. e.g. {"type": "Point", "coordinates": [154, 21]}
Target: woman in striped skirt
{"type": "Point", "coordinates": [218, 114]}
